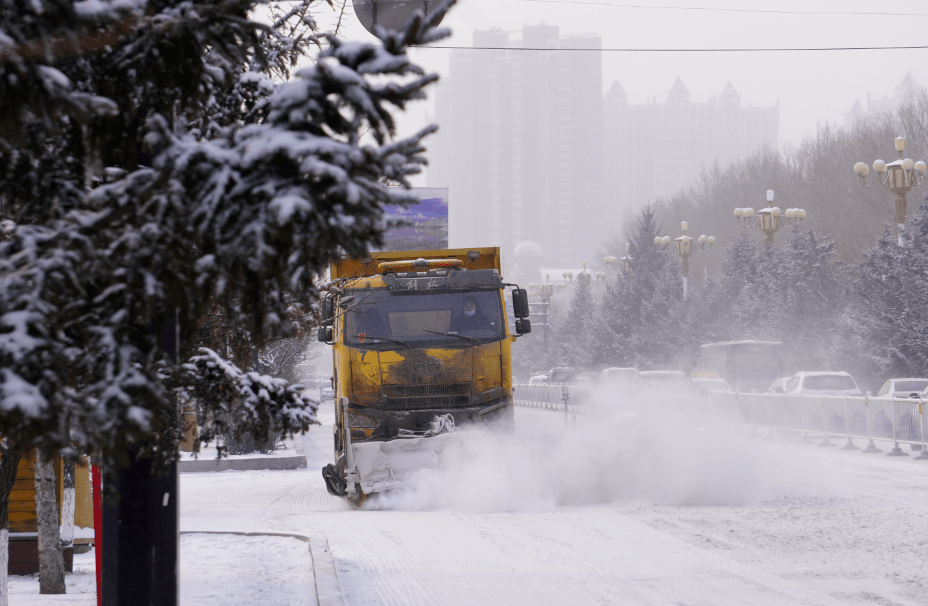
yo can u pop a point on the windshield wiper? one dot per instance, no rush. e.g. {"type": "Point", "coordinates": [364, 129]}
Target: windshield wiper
{"type": "Point", "coordinates": [452, 334]}
{"type": "Point", "coordinates": [404, 343]}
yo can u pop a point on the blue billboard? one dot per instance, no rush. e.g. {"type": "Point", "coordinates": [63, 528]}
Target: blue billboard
{"type": "Point", "coordinates": [421, 226]}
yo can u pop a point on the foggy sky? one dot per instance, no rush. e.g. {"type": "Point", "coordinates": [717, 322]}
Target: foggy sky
{"type": "Point", "coordinates": [811, 87]}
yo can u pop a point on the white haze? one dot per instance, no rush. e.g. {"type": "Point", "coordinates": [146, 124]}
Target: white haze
{"type": "Point", "coordinates": [633, 450]}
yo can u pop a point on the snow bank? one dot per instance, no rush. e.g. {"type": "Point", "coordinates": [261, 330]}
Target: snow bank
{"type": "Point", "coordinates": [657, 450]}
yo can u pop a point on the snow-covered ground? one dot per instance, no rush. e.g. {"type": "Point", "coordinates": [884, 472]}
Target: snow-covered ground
{"type": "Point", "coordinates": [286, 448]}
{"type": "Point", "coordinates": [638, 506]}
{"type": "Point", "coordinates": [215, 570]}
{"type": "Point", "coordinates": [630, 509]}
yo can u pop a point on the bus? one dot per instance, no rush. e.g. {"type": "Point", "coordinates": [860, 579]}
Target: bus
{"type": "Point", "coordinates": [746, 365]}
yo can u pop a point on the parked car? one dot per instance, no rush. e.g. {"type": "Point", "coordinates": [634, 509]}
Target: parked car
{"type": "Point", "coordinates": [822, 384]}
{"type": "Point", "coordinates": [561, 375]}
{"type": "Point", "coordinates": [903, 388]}
{"type": "Point", "coordinates": [664, 380]}
{"type": "Point", "coordinates": [538, 379]}
{"type": "Point", "coordinates": [704, 385]}
{"type": "Point", "coordinates": [326, 393]}
{"type": "Point", "coordinates": [619, 376]}
{"type": "Point", "coordinates": [778, 385]}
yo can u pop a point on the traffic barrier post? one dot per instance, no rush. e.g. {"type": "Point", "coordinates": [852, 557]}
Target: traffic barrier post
{"type": "Point", "coordinates": [896, 451]}
{"type": "Point", "coordinates": [847, 428]}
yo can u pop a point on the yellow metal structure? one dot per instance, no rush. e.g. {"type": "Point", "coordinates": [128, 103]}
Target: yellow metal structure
{"type": "Point", "coordinates": [415, 366]}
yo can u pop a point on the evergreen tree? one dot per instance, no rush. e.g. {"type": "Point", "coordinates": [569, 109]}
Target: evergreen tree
{"type": "Point", "coordinates": [887, 320]}
{"type": "Point", "coordinates": [152, 168]}
{"type": "Point", "coordinates": [632, 327]}
{"type": "Point", "coordinates": [575, 331]}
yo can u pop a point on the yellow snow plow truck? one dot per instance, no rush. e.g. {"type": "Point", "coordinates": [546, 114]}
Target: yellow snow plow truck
{"type": "Point", "coordinates": [421, 345]}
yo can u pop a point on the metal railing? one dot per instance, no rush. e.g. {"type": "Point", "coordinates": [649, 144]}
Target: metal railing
{"type": "Point", "coordinates": [554, 397]}
{"type": "Point", "coordinates": [900, 420]}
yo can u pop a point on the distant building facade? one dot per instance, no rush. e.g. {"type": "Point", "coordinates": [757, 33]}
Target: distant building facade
{"type": "Point", "coordinates": [905, 88]}
{"type": "Point", "coordinates": [655, 149]}
{"type": "Point", "coordinates": [533, 150]}
{"type": "Point", "coordinates": [520, 144]}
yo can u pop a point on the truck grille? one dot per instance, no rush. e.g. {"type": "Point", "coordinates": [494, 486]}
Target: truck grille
{"type": "Point", "coordinates": [425, 391]}
{"type": "Point", "coordinates": [423, 403]}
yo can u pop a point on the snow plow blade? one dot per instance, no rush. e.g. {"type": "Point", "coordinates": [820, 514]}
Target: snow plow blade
{"type": "Point", "coordinates": [384, 466]}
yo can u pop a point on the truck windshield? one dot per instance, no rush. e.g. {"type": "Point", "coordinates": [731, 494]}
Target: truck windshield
{"type": "Point", "coordinates": [426, 319]}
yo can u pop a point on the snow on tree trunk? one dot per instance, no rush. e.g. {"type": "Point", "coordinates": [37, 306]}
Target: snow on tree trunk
{"type": "Point", "coordinates": [9, 463]}
{"type": "Point", "coordinates": [51, 562]}
{"type": "Point", "coordinates": [67, 505]}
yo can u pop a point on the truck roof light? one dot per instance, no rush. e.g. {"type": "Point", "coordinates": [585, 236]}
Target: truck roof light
{"type": "Point", "coordinates": [418, 265]}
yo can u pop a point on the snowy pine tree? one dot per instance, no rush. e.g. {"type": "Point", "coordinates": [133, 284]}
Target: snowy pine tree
{"type": "Point", "coordinates": [887, 320]}
{"type": "Point", "coordinates": [152, 168]}
{"type": "Point", "coordinates": [632, 326]}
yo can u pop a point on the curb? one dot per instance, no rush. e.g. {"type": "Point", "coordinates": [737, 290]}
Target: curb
{"type": "Point", "coordinates": [328, 591]}
{"type": "Point", "coordinates": [255, 464]}
{"type": "Point", "coordinates": [297, 462]}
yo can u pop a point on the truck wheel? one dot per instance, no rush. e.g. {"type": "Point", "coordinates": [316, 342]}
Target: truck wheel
{"type": "Point", "coordinates": [334, 482]}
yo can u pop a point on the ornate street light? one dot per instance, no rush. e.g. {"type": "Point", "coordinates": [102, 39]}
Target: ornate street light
{"type": "Point", "coordinates": [625, 262]}
{"type": "Point", "coordinates": [584, 277]}
{"type": "Point", "coordinates": [899, 177]}
{"type": "Point", "coordinates": [684, 248]}
{"type": "Point", "coordinates": [769, 219]}
{"type": "Point", "coordinates": [544, 292]}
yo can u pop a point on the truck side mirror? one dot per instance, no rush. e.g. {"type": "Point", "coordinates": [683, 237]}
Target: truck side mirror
{"type": "Point", "coordinates": [325, 334]}
{"type": "Point", "coordinates": [328, 311]}
{"type": "Point", "coordinates": [520, 303]}
{"type": "Point", "coordinates": [523, 326]}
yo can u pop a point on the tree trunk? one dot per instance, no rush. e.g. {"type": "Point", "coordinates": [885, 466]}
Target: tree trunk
{"type": "Point", "coordinates": [67, 504]}
{"type": "Point", "coordinates": [9, 463]}
{"type": "Point", "coordinates": [51, 561]}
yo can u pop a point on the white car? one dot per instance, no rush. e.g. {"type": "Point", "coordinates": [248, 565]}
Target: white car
{"type": "Point", "coordinates": [778, 385]}
{"type": "Point", "coordinates": [822, 384]}
{"type": "Point", "coordinates": [621, 376]}
{"type": "Point", "coordinates": [903, 388]}
{"type": "Point", "coordinates": [326, 393]}
{"type": "Point", "coordinates": [664, 380]}
{"type": "Point", "coordinates": [538, 379]}
{"type": "Point", "coordinates": [704, 385]}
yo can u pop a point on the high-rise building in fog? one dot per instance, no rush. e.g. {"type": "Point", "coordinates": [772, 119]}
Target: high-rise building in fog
{"type": "Point", "coordinates": [531, 150]}
{"type": "Point", "coordinates": [656, 149]}
{"type": "Point", "coordinates": [905, 88]}
{"type": "Point", "coordinates": [520, 144]}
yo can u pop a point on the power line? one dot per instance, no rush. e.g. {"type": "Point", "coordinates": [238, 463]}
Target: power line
{"type": "Point", "coordinates": [727, 10]}
{"type": "Point", "coordinates": [679, 50]}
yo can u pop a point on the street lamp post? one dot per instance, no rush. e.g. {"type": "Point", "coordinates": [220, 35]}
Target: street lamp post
{"type": "Point", "coordinates": [584, 277]}
{"type": "Point", "coordinates": [684, 248]}
{"type": "Point", "coordinates": [899, 177]}
{"type": "Point", "coordinates": [769, 219]}
{"type": "Point", "coordinates": [544, 291]}
{"type": "Point", "coordinates": [625, 262]}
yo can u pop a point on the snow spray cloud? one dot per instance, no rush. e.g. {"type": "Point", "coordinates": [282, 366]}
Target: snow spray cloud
{"type": "Point", "coordinates": [659, 448]}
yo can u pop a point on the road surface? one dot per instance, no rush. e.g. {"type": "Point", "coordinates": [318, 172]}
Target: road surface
{"type": "Point", "coordinates": [630, 507]}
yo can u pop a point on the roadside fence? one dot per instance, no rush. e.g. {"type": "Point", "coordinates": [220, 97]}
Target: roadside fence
{"type": "Point", "coordinates": [554, 397]}
{"type": "Point", "coordinates": [900, 420]}
{"type": "Point", "coordinates": [825, 418]}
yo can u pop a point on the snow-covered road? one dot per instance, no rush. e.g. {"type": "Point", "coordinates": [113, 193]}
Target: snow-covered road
{"type": "Point", "coordinates": [626, 509]}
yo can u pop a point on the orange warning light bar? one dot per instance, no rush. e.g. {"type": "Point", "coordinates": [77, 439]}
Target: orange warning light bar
{"type": "Point", "coordinates": [418, 265]}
